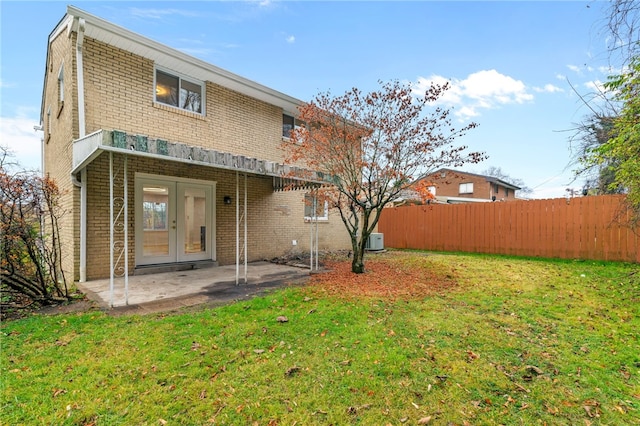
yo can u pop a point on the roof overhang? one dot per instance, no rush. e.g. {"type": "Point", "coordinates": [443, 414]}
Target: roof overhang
{"type": "Point", "coordinates": [165, 56]}
{"type": "Point", "coordinates": [460, 200]}
{"type": "Point", "coordinates": [87, 149]}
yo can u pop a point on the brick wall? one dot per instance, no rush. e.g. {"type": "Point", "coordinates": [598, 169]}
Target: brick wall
{"type": "Point", "coordinates": [119, 95]}
{"type": "Point", "coordinates": [274, 219]}
{"type": "Point", "coordinates": [59, 122]}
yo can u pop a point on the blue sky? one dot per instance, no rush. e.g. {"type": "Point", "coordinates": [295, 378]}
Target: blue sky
{"type": "Point", "coordinates": [510, 63]}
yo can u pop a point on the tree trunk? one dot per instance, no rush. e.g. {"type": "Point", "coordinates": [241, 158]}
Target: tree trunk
{"type": "Point", "coordinates": [357, 264]}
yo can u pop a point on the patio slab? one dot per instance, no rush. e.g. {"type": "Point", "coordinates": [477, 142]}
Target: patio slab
{"type": "Point", "coordinates": [175, 290]}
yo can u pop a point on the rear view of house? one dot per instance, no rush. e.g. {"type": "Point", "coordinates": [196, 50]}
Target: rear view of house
{"type": "Point", "coordinates": [165, 159]}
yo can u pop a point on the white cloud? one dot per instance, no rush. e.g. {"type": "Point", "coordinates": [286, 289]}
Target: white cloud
{"type": "Point", "coordinates": [548, 88]}
{"type": "Point", "coordinates": [574, 68]}
{"type": "Point", "coordinates": [596, 86]}
{"type": "Point", "coordinates": [17, 134]}
{"type": "Point", "coordinates": [609, 70]}
{"type": "Point", "coordinates": [486, 89]}
{"type": "Point", "coordinates": [291, 39]}
{"type": "Point", "coordinates": [160, 13]}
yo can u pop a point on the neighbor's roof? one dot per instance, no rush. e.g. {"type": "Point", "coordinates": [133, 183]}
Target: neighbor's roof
{"type": "Point", "coordinates": [490, 179]}
{"type": "Point", "coordinates": [168, 57]}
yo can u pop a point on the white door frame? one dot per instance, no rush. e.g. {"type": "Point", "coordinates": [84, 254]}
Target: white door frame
{"type": "Point", "coordinates": [175, 223]}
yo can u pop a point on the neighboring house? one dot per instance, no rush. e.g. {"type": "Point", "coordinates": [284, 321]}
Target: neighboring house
{"type": "Point", "coordinates": [165, 159]}
{"type": "Point", "coordinates": [453, 186]}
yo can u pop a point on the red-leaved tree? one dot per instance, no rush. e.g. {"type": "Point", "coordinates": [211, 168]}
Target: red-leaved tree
{"type": "Point", "coordinates": [374, 146]}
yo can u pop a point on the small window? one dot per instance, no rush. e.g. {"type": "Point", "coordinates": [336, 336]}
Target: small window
{"type": "Point", "coordinates": [61, 84]}
{"type": "Point", "coordinates": [432, 190]}
{"type": "Point", "coordinates": [48, 124]}
{"type": "Point", "coordinates": [466, 188]}
{"type": "Point", "coordinates": [315, 208]}
{"type": "Point", "coordinates": [179, 92]}
{"type": "Point", "coordinates": [288, 124]}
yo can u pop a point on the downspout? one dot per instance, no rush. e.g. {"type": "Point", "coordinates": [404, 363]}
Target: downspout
{"type": "Point", "coordinates": [82, 133]}
{"type": "Point", "coordinates": [80, 77]}
{"type": "Point", "coordinates": [82, 184]}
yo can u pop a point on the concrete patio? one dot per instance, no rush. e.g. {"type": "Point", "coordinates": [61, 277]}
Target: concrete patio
{"type": "Point", "coordinates": [169, 291]}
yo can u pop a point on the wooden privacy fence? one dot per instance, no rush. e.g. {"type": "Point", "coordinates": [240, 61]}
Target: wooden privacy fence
{"type": "Point", "coordinates": [591, 227]}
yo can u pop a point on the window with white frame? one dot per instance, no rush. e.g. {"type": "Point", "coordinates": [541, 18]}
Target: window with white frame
{"type": "Point", "coordinates": [432, 190]}
{"type": "Point", "coordinates": [466, 188]}
{"type": "Point", "coordinates": [61, 85]}
{"type": "Point", "coordinates": [174, 90]}
{"type": "Point", "coordinates": [315, 208]}
{"type": "Point", "coordinates": [48, 124]}
{"type": "Point", "coordinates": [288, 124]}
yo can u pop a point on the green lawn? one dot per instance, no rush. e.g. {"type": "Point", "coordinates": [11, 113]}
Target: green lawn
{"type": "Point", "coordinates": [515, 341]}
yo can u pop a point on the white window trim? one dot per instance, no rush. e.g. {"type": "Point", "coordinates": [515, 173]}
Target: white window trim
{"type": "Point", "coordinates": [466, 188]}
{"type": "Point", "coordinates": [203, 89]}
{"type": "Point", "coordinates": [48, 123]}
{"type": "Point", "coordinates": [61, 84]}
{"type": "Point", "coordinates": [296, 123]}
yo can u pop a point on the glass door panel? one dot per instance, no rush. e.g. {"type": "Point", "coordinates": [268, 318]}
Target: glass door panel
{"type": "Point", "coordinates": [194, 213]}
{"type": "Point", "coordinates": [174, 221]}
{"type": "Point", "coordinates": [155, 210]}
{"type": "Point", "coordinates": [195, 238]}
{"type": "Point", "coordinates": [156, 218]}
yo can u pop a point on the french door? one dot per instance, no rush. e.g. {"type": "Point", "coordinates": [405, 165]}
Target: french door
{"type": "Point", "coordinates": [174, 220]}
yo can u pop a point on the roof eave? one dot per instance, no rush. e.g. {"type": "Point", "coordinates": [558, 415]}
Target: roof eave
{"type": "Point", "coordinates": [102, 30]}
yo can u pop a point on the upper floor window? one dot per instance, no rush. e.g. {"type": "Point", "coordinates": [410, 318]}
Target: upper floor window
{"type": "Point", "coordinates": [288, 124]}
{"type": "Point", "coordinates": [179, 92]}
{"type": "Point", "coordinates": [466, 188]}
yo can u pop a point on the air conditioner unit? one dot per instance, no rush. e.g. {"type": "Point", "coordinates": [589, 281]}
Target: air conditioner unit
{"type": "Point", "coordinates": [375, 242]}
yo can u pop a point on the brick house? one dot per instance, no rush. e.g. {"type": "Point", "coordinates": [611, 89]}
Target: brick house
{"type": "Point", "coordinates": [165, 159]}
{"type": "Point", "coordinates": [453, 186]}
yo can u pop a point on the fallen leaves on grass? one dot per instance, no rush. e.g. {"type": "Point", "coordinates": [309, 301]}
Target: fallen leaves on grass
{"type": "Point", "coordinates": [387, 277]}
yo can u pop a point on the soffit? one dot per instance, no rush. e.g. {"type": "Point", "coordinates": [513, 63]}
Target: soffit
{"type": "Point", "coordinates": [165, 56]}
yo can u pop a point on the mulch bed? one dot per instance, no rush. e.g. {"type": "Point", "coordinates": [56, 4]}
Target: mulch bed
{"type": "Point", "coordinates": [385, 276]}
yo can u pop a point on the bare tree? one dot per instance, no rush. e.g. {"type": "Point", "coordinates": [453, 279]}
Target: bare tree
{"type": "Point", "coordinates": [497, 172]}
{"type": "Point", "coordinates": [30, 248]}
{"type": "Point", "coordinates": [623, 25]}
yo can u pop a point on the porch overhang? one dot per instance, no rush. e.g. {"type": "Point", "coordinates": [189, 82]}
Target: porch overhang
{"type": "Point", "coordinates": [285, 177]}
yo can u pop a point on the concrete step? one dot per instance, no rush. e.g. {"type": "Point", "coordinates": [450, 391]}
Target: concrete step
{"type": "Point", "coordinates": [173, 267]}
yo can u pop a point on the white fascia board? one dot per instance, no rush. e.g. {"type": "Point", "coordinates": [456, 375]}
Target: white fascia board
{"type": "Point", "coordinates": [165, 56]}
